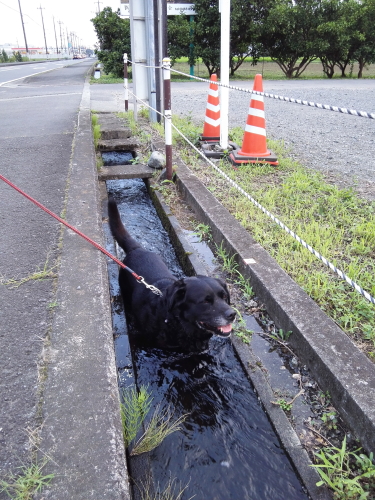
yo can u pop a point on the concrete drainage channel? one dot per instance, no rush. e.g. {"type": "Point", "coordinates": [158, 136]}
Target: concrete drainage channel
{"type": "Point", "coordinates": [333, 360]}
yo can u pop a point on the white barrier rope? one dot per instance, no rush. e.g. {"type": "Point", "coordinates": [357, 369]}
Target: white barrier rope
{"type": "Point", "coordinates": [325, 261]}
{"type": "Point", "coordinates": [328, 107]}
{"type": "Point", "coordinates": [346, 111]}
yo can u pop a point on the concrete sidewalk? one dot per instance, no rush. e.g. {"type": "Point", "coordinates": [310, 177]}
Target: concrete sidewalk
{"type": "Point", "coordinates": [82, 432]}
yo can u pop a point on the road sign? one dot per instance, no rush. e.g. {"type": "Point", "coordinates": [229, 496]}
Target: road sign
{"type": "Point", "coordinates": [175, 9]}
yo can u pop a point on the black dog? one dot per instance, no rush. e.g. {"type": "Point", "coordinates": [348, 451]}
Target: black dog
{"type": "Point", "coordinates": [190, 310]}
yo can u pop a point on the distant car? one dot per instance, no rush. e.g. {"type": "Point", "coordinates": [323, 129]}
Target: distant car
{"type": "Point", "coordinates": [76, 56]}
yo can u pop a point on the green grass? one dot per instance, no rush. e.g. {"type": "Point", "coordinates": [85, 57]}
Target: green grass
{"type": "Point", "coordinates": [95, 129]}
{"type": "Point", "coordinates": [159, 427]}
{"type": "Point", "coordinates": [42, 273]}
{"type": "Point", "coordinates": [23, 486]}
{"type": "Point", "coordinates": [170, 491]}
{"type": "Point", "coordinates": [336, 222]}
{"type": "Point", "coordinates": [106, 79]}
{"type": "Point", "coordinates": [351, 475]}
{"type": "Point", "coordinates": [134, 408]}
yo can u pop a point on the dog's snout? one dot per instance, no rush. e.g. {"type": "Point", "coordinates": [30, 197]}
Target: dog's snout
{"type": "Point", "coordinates": [230, 315]}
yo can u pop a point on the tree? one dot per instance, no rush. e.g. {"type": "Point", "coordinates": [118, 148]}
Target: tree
{"type": "Point", "coordinates": [180, 37]}
{"type": "Point", "coordinates": [363, 45]}
{"type": "Point", "coordinates": [207, 34]}
{"type": "Point", "coordinates": [334, 35]}
{"type": "Point", "coordinates": [114, 40]}
{"type": "Point", "coordinates": [246, 20]}
{"type": "Point", "coordinates": [4, 56]}
{"type": "Point", "coordinates": [289, 34]}
{"type": "Point", "coordinates": [244, 33]}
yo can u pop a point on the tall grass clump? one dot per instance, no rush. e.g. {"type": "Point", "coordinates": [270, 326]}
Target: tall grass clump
{"type": "Point", "coordinates": [134, 408]}
{"type": "Point", "coordinates": [95, 129]}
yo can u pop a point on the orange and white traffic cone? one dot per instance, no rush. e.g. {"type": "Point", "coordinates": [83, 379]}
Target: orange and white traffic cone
{"type": "Point", "coordinates": [254, 144]}
{"type": "Point", "coordinates": [211, 128]}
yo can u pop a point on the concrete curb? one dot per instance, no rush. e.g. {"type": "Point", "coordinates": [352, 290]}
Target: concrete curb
{"type": "Point", "coordinates": [281, 424]}
{"type": "Point", "coordinates": [82, 432]}
{"type": "Point", "coordinates": [335, 362]}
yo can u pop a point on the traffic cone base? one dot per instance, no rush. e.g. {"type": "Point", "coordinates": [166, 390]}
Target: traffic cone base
{"type": "Point", "coordinates": [236, 157]}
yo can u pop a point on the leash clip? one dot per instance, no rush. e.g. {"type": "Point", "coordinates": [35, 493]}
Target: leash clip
{"type": "Point", "coordinates": [152, 288]}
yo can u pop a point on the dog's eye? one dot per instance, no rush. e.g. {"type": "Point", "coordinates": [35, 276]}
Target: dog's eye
{"type": "Point", "coordinates": [208, 299]}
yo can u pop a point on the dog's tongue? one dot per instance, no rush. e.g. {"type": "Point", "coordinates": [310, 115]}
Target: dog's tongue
{"type": "Point", "coordinates": [226, 328]}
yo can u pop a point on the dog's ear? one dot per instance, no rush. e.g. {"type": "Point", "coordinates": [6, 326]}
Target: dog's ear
{"type": "Point", "coordinates": [176, 294]}
{"type": "Point", "coordinates": [224, 285]}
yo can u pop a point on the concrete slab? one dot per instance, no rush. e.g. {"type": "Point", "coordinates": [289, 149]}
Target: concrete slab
{"type": "Point", "coordinates": [111, 127]}
{"type": "Point", "coordinates": [125, 172]}
{"type": "Point", "coordinates": [118, 144]}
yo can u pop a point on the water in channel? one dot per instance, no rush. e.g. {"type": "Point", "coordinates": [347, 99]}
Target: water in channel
{"type": "Point", "coordinates": [227, 449]}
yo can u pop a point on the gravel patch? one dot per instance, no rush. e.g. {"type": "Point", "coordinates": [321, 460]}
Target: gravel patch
{"type": "Point", "coordinates": [341, 146]}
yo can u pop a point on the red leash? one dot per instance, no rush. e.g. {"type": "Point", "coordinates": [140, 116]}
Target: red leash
{"type": "Point", "coordinates": [96, 245]}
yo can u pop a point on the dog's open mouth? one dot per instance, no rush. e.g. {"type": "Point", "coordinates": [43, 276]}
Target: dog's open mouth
{"type": "Point", "coordinates": [222, 331]}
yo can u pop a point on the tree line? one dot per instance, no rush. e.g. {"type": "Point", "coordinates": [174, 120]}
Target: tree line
{"type": "Point", "coordinates": [293, 33]}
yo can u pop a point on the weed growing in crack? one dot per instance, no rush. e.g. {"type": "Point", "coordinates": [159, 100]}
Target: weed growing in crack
{"type": "Point", "coordinates": [23, 486]}
{"type": "Point", "coordinates": [95, 129]}
{"type": "Point", "coordinates": [203, 232]}
{"type": "Point", "coordinates": [40, 274]}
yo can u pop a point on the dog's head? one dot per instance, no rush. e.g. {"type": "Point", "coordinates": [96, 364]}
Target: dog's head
{"type": "Point", "coordinates": [202, 303]}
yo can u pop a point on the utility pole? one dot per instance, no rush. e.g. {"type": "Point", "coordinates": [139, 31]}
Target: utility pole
{"type": "Point", "coordinates": [23, 27]}
{"type": "Point", "coordinates": [98, 2]}
{"type": "Point", "coordinates": [61, 45]}
{"type": "Point", "coordinates": [54, 27]}
{"type": "Point", "coordinates": [67, 39]}
{"type": "Point", "coordinates": [44, 31]}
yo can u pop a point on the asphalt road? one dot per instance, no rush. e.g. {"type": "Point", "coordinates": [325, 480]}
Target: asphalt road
{"type": "Point", "coordinates": [9, 74]}
{"type": "Point", "coordinates": [38, 116]}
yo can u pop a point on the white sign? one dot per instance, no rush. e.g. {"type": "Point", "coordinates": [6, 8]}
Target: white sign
{"type": "Point", "coordinates": [175, 9]}
{"type": "Point", "coordinates": [124, 10]}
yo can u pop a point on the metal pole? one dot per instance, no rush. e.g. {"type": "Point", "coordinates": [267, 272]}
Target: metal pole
{"type": "Point", "coordinates": [224, 71]}
{"type": "Point", "coordinates": [126, 82]}
{"type": "Point", "coordinates": [191, 46]}
{"type": "Point", "coordinates": [23, 28]}
{"type": "Point", "coordinates": [151, 61]}
{"type": "Point", "coordinates": [167, 116]}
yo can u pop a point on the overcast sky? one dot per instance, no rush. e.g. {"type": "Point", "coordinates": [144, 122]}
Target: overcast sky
{"type": "Point", "coordinates": [74, 14]}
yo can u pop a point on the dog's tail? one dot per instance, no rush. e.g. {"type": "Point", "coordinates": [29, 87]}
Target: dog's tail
{"type": "Point", "coordinates": [118, 230]}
